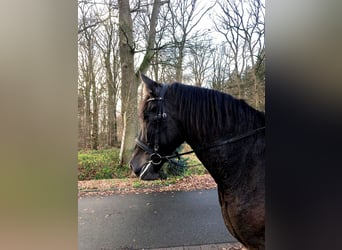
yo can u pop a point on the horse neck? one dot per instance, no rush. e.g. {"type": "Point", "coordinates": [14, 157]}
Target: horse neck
{"type": "Point", "coordinates": [204, 132]}
{"type": "Point", "coordinates": [201, 128]}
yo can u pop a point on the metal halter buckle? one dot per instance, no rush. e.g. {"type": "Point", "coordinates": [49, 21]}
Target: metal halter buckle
{"type": "Point", "coordinates": [156, 159]}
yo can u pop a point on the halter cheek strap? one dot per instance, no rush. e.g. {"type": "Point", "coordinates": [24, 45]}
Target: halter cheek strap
{"type": "Point", "coordinates": [159, 116]}
{"type": "Point", "coordinates": [155, 157]}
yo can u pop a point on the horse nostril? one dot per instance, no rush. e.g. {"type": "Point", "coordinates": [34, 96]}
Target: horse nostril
{"type": "Point", "coordinates": [136, 171]}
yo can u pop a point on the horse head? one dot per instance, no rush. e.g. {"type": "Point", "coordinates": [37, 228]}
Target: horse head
{"type": "Point", "coordinates": [160, 132]}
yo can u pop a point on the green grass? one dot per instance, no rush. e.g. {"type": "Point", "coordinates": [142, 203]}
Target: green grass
{"type": "Point", "coordinates": [143, 184]}
{"type": "Point", "coordinates": [139, 184]}
{"type": "Point", "coordinates": [103, 164]}
{"type": "Point", "coordinates": [100, 164]}
{"type": "Point", "coordinates": [194, 166]}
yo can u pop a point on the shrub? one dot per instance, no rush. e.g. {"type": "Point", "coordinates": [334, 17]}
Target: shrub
{"type": "Point", "coordinates": [100, 164]}
{"type": "Point", "coordinates": [175, 167]}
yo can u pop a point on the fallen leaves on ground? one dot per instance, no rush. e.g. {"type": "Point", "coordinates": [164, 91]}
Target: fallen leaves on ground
{"type": "Point", "coordinates": [135, 186]}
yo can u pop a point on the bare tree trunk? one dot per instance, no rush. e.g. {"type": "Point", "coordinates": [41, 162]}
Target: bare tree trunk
{"type": "Point", "coordinates": [121, 154]}
{"type": "Point", "coordinates": [81, 115]}
{"type": "Point", "coordinates": [179, 65]}
{"type": "Point", "coordinates": [87, 115]}
{"type": "Point", "coordinates": [130, 79]}
{"type": "Point", "coordinates": [112, 138]}
{"type": "Point", "coordinates": [115, 96]}
{"type": "Point", "coordinates": [88, 89]}
{"type": "Point", "coordinates": [95, 114]}
{"type": "Point", "coordinates": [151, 38]}
{"type": "Point", "coordinates": [129, 88]}
{"type": "Point", "coordinates": [111, 110]}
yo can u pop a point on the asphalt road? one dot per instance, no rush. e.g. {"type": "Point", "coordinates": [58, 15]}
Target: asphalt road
{"type": "Point", "coordinates": [154, 220]}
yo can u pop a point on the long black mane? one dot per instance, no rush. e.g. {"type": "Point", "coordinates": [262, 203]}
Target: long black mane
{"type": "Point", "coordinates": [206, 110]}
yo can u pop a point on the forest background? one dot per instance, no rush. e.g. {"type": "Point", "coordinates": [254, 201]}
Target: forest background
{"type": "Point", "coordinates": [212, 44]}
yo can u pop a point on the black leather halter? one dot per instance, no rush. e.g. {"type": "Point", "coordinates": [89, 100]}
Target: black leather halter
{"type": "Point", "coordinates": [156, 158]}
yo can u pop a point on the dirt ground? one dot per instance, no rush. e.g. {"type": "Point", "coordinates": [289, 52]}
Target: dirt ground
{"type": "Point", "coordinates": [135, 186]}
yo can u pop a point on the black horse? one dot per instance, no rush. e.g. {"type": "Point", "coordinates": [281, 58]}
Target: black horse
{"type": "Point", "coordinates": [228, 137]}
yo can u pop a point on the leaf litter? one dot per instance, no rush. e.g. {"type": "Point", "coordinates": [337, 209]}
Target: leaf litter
{"type": "Point", "coordinates": [135, 186]}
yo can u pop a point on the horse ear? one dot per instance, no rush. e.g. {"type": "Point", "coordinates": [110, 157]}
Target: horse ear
{"type": "Point", "coordinates": [151, 86]}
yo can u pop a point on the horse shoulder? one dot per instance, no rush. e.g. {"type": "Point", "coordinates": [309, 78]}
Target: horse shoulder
{"type": "Point", "coordinates": [244, 217]}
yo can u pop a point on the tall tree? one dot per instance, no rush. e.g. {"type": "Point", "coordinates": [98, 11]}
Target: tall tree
{"type": "Point", "coordinates": [185, 16]}
{"type": "Point", "coordinates": [242, 24]}
{"type": "Point", "coordinates": [108, 43]}
{"type": "Point", "coordinates": [88, 75]}
{"type": "Point", "coordinates": [128, 82]}
{"type": "Point", "coordinates": [200, 60]}
{"type": "Point", "coordinates": [130, 78]}
{"type": "Point", "coordinates": [221, 68]}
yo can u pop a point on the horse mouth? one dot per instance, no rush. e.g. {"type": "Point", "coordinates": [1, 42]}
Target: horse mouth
{"type": "Point", "coordinates": [147, 173]}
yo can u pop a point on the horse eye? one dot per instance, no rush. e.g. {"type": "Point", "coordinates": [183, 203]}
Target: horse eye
{"type": "Point", "coordinates": [152, 108]}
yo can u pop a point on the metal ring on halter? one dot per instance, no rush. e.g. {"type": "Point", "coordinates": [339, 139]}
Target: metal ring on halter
{"type": "Point", "coordinates": [156, 159]}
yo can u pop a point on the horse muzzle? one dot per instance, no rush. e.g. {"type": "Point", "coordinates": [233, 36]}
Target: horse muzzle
{"type": "Point", "coordinates": [148, 173]}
